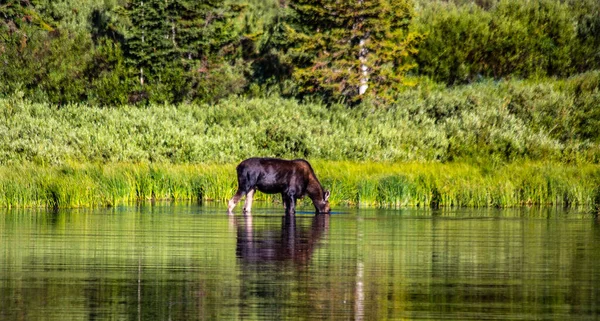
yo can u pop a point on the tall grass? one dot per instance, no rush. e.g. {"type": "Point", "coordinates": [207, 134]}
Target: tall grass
{"type": "Point", "coordinates": [351, 184]}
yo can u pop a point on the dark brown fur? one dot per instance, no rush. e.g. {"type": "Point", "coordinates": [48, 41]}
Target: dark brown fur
{"type": "Point", "coordinates": [293, 179]}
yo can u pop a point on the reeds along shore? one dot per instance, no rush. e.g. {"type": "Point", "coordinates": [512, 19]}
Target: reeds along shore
{"type": "Point", "coordinates": [351, 183]}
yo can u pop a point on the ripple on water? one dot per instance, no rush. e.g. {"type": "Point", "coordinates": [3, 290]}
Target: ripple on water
{"type": "Point", "coordinates": [193, 262]}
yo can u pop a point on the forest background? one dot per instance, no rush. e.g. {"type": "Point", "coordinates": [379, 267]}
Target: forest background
{"type": "Point", "coordinates": [166, 83]}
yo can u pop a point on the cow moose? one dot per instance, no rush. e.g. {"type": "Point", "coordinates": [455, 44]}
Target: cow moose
{"type": "Point", "coordinates": [293, 179]}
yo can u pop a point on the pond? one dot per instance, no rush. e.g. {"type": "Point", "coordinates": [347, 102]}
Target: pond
{"type": "Point", "coordinates": [191, 262]}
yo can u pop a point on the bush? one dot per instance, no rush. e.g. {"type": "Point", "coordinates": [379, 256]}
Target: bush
{"type": "Point", "coordinates": [111, 80]}
{"type": "Point", "coordinates": [47, 66]}
{"type": "Point", "coordinates": [454, 49]}
{"type": "Point", "coordinates": [486, 122]}
{"type": "Point", "coordinates": [511, 39]}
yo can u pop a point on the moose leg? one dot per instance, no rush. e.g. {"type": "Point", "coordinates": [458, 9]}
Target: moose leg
{"type": "Point", "coordinates": [248, 202]}
{"type": "Point", "coordinates": [284, 201]}
{"type": "Point", "coordinates": [245, 184]}
{"type": "Point", "coordinates": [290, 206]}
{"type": "Point", "coordinates": [234, 200]}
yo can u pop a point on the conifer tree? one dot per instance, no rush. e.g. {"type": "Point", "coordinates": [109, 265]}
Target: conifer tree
{"type": "Point", "coordinates": [201, 29]}
{"type": "Point", "coordinates": [172, 42]}
{"type": "Point", "coordinates": [350, 49]}
{"type": "Point", "coordinates": [148, 46]}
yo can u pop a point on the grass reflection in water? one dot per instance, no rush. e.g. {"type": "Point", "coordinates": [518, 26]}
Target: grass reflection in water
{"type": "Point", "coordinates": [191, 262]}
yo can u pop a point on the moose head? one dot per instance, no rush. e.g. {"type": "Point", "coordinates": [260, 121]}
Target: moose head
{"type": "Point", "coordinates": [322, 205]}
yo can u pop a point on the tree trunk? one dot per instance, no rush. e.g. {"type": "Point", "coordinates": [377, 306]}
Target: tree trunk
{"type": "Point", "coordinates": [143, 34]}
{"type": "Point", "coordinates": [362, 55]}
{"type": "Point", "coordinates": [364, 70]}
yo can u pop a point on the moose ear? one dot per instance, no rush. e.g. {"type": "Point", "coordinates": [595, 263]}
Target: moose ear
{"type": "Point", "coordinates": [326, 196]}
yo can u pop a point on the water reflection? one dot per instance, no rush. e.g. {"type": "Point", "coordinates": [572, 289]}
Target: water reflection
{"type": "Point", "coordinates": [192, 263]}
{"type": "Point", "coordinates": [278, 275]}
{"type": "Point", "coordinates": [289, 242]}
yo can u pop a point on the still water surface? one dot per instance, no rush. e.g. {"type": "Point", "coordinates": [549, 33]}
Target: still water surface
{"type": "Point", "coordinates": [188, 262]}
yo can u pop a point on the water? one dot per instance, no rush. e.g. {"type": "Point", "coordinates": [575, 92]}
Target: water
{"type": "Point", "coordinates": [186, 262]}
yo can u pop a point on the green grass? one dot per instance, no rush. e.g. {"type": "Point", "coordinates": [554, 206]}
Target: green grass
{"type": "Point", "coordinates": [461, 185]}
{"type": "Point", "coordinates": [489, 144]}
{"type": "Point", "coordinates": [373, 184]}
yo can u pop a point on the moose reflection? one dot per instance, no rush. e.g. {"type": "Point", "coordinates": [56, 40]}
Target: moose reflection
{"type": "Point", "coordinates": [290, 243]}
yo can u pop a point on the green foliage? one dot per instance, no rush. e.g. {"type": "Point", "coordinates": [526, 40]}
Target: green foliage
{"type": "Point", "coordinates": [210, 82]}
{"type": "Point", "coordinates": [257, 15]}
{"type": "Point", "coordinates": [79, 50]}
{"type": "Point", "coordinates": [60, 63]}
{"type": "Point", "coordinates": [272, 68]}
{"type": "Point", "coordinates": [48, 66]}
{"type": "Point", "coordinates": [328, 45]}
{"type": "Point", "coordinates": [69, 15]}
{"type": "Point", "coordinates": [17, 15]}
{"type": "Point", "coordinates": [149, 45]}
{"type": "Point", "coordinates": [184, 50]}
{"type": "Point", "coordinates": [62, 73]}
{"type": "Point", "coordinates": [120, 51]}
{"type": "Point", "coordinates": [586, 55]}
{"type": "Point", "coordinates": [487, 122]}
{"type": "Point", "coordinates": [510, 38]}
{"type": "Point", "coordinates": [111, 78]}
{"type": "Point", "coordinates": [459, 185]}
{"type": "Point", "coordinates": [454, 48]}
{"type": "Point", "coordinates": [531, 38]}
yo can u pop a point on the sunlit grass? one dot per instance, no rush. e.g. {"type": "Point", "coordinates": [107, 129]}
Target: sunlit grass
{"type": "Point", "coordinates": [392, 185]}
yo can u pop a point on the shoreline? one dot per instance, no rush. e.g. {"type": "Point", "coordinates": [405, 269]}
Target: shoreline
{"type": "Point", "coordinates": [354, 184]}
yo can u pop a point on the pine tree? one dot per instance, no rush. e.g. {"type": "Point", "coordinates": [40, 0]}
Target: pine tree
{"type": "Point", "coordinates": [201, 29]}
{"type": "Point", "coordinates": [148, 47]}
{"type": "Point", "coordinates": [173, 43]}
{"type": "Point", "coordinates": [349, 49]}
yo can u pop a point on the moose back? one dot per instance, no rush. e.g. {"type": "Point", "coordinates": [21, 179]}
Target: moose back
{"type": "Point", "coordinates": [293, 179]}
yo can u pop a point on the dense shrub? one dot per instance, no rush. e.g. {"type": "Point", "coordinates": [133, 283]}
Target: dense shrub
{"type": "Point", "coordinates": [507, 38]}
{"type": "Point", "coordinates": [484, 122]}
{"type": "Point", "coordinates": [111, 81]}
{"type": "Point", "coordinates": [48, 67]}
{"type": "Point", "coordinates": [586, 55]}
{"type": "Point", "coordinates": [120, 51]}
{"type": "Point", "coordinates": [455, 42]}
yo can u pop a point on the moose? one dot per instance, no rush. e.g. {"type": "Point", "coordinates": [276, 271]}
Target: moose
{"type": "Point", "coordinates": [293, 179]}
